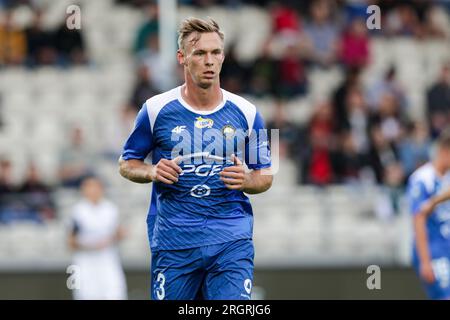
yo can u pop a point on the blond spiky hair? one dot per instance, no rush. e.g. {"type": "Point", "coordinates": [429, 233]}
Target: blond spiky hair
{"type": "Point", "coordinates": [191, 25]}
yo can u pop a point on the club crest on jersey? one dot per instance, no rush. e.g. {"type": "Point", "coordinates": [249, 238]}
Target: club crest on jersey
{"type": "Point", "coordinates": [202, 123]}
{"type": "Point", "coordinates": [228, 131]}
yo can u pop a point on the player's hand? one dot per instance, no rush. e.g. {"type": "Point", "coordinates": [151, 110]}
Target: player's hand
{"type": "Point", "coordinates": [426, 272]}
{"type": "Point", "coordinates": [166, 171]}
{"type": "Point", "coordinates": [234, 177]}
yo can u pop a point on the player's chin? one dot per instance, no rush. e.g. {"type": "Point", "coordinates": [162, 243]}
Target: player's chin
{"type": "Point", "coordinates": [205, 84]}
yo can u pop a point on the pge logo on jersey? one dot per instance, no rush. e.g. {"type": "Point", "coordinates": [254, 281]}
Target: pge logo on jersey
{"type": "Point", "coordinates": [203, 170]}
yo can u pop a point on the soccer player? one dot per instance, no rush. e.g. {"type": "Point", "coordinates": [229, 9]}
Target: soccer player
{"type": "Point", "coordinates": [94, 236]}
{"type": "Point", "coordinates": [200, 221]}
{"type": "Point", "coordinates": [427, 190]}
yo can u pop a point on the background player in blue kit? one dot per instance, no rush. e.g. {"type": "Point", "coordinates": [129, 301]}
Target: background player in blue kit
{"type": "Point", "coordinates": [428, 189]}
{"type": "Point", "coordinates": [200, 222]}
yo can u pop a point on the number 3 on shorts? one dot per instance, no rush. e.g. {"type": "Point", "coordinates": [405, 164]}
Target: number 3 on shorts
{"type": "Point", "coordinates": [160, 292]}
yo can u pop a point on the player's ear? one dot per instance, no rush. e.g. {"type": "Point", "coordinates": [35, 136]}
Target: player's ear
{"type": "Point", "coordinates": [180, 57]}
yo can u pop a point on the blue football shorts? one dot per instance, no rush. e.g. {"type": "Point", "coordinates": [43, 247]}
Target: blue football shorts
{"type": "Point", "coordinates": [213, 272]}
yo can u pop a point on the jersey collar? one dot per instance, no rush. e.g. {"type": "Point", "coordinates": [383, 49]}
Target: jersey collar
{"type": "Point", "coordinates": [202, 112]}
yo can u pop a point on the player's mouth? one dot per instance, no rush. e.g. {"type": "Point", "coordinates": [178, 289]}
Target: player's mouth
{"type": "Point", "coordinates": [209, 74]}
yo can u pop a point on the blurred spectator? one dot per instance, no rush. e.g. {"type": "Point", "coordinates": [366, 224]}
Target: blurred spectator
{"type": "Point", "coordinates": [287, 34]}
{"type": "Point", "coordinates": [29, 202]}
{"type": "Point", "coordinates": [387, 85]}
{"type": "Point", "coordinates": [70, 46]}
{"type": "Point", "coordinates": [263, 75]}
{"type": "Point", "coordinates": [352, 80]}
{"type": "Point", "coordinates": [291, 74]}
{"type": "Point", "coordinates": [438, 103]}
{"type": "Point", "coordinates": [317, 166]}
{"type": "Point", "coordinates": [95, 232]}
{"type": "Point", "coordinates": [388, 200]}
{"type": "Point", "coordinates": [75, 161]}
{"type": "Point", "coordinates": [285, 18]}
{"type": "Point", "coordinates": [347, 160]}
{"type": "Point", "coordinates": [403, 21]}
{"type": "Point", "coordinates": [288, 131]}
{"type": "Point", "coordinates": [13, 45]}
{"type": "Point", "coordinates": [415, 147]}
{"type": "Point", "coordinates": [357, 121]}
{"type": "Point", "coordinates": [382, 153]}
{"type": "Point", "coordinates": [7, 192]}
{"type": "Point", "coordinates": [147, 29]}
{"type": "Point", "coordinates": [40, 43]}
{"type": "Point", "coordinates": [422, 19]}
{"type": "Point", "coordinates": [321, 34]}
{"type": "Point", "coordinates": [389, 117]}
{"type": "Point", "coordinates": [355, 44]}
{"type": "Point", "coordinates": [233, 75]}
{"type": "Point", "coordinates": [37, 194]}
{"type": "Point", "coordinates": [151, 57]}
{"type": "Point", "coordinates": [437, 22]}
{"type": "Point", "coordinates": [143, 89]}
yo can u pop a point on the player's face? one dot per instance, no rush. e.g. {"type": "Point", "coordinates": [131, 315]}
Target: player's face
{"type": "Point", "coordinates": [92, 189]}
{"type": "Point", "coordinates": [203, 59]}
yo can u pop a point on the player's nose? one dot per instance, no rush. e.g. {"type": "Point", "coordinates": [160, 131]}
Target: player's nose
{"type": "Point", "coordinates": [209, 59]}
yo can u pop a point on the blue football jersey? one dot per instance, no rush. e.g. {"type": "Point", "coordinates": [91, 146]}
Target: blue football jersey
{"type": "Point", "coordinates": [423, 184]}
{"type": "Point", "coordinates": [198, 210]}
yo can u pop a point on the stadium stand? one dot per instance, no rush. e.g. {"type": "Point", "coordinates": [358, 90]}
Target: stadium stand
{"type": "Point", "coordinates": [296, 224]}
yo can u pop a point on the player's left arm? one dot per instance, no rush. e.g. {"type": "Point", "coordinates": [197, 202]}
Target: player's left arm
{"type": "Point", "coordinates": [253, 182]}
{"type": "Point", "coordinates": [257, 181]}
{"type": "Point", "coordinates": [257, 158]}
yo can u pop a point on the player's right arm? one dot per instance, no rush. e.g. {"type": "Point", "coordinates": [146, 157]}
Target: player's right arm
{"type": "Point", "coordinates": [136, 170]}
{"type": "Point", "coordinates": [421, 234]}
{"type": "Point", "coordinates": [137, 147]}
{"type": "Point", "coordinates": [418, 199]}
{"type": "Point", "coordinates": [426, 270]}
{"type": "Point", "coordinates": [166, 171]}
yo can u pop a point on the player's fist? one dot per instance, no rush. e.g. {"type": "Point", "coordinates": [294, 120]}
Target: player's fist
{"type": "Point", "coordinates": [234, 177]}
{"type": "Point", "coordinates": [426, 272]}
{"type": "Point", "coordinates": [166, 171]}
